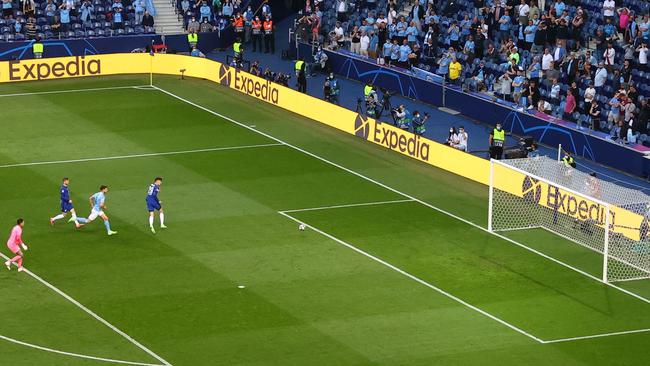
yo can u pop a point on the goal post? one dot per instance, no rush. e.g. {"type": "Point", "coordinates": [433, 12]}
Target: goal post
{"type": "Point", "coordinates": [540, 193]}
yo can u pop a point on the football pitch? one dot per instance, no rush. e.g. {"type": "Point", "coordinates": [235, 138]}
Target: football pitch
{"type": "Point", "coordinates": [395, 266]}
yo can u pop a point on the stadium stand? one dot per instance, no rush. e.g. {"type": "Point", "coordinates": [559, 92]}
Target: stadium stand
{"type": "Point", "coordinates": [492, 39]}
{"type": "Point", "coordinates": [49, 19]}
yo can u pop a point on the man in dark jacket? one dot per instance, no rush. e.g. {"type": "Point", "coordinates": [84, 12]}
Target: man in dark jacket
{"type": "Point", "coordinates": [147, 19]}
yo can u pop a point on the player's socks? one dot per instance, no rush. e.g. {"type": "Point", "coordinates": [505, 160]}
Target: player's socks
{"type": "Point", "coordinates": [8, 264]}
{"type": "Point", "coordinates": [82, 220]}
{"type": "Point", "coordinates": [57, 217]}
{"type": "Point", "coordinates": [18, 259]}
{"type": "Point", "coordinates": [108, 226]}
{"type": "Point", "coordinates": [162, 221]}
{"type": "Point", "coordinates": [151, 221]}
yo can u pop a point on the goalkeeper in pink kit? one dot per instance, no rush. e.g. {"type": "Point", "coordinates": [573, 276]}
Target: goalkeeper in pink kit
{"type": "Point", "coordinates": [14, 244]}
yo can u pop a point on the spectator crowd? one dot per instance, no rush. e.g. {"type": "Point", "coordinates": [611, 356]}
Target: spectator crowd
{"type": "Point", "coordinates": [45, 19]}
{"type": "Point", "coordinates": [584, 61]}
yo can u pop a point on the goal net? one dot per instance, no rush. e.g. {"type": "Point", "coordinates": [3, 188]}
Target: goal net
{"type": "Point", "coordinates": [596, 214]}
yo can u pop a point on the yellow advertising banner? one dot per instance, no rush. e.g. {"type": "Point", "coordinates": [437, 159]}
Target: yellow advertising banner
{"type": "Point", "coordinates": [383, 134]}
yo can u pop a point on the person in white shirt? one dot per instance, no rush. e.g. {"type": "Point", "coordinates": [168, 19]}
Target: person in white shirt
{"type": "Point", "coordinates": [590, 94]}
{"type": "Point", "coordinates": [523, 13]}
{"type": "Point", "coordinates": [643, 56]}
{"type": "Point", "coordinates": [609, 56]}
{"type": "Point", "coordinates": [461, 141]}
{"type": "Point", "coordinates": [381, 20]}
{"type": "Point", "coordinates": [601, 77]}
{"type": "Point", "coordinates": [609, 9]}
{"type": "Point", "coordinates": [342, 11]}
{"type": "Point", "coordinates": [363, 44]}
{"type": "Point", "coordinates": [546, 60]}
{"type": "Point", "coordinates": [338, 32]}
{"type": "Point", "coordinates": [452, 139]}
{"type": "Point", "coordinates": [544, 106]}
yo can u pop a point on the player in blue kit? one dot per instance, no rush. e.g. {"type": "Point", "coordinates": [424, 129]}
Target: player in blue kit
{"type": "Point", "coordinates": [98, 205]}
{"type": "Point", "coordinates": [66, 206]}
{"type": "Point", "coordinates": [153, 204]}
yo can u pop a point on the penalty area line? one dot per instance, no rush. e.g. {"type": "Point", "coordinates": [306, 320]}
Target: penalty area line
{"type": "Point", "coordinates": [348, 205]}
{"type": "Point", "coordinates": [414, 278]}
{"type": "Point", "coordinates": [602, 335]}
{"type": "Point", "coordinates": [78, 355]}
{"type": "Point", "coordinates": [117, 157]}
{"type": "Point", "coordinates": [94, 315]}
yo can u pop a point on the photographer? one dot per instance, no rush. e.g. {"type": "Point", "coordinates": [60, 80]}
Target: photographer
{"type": "Point", "coordinates": [400, 117]}
{"type": "Point", "coordinates": [255, 69]}
{"type": "Point", "coordinates": [418, 123]}
{"type": "Point", "coordinates": [371, 99]}
{"type": "Point", "coordinates": [331, 89]}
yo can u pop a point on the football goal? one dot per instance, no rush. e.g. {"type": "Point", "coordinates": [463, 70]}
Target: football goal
{"type": "Point", "coordinates": [599, 215]}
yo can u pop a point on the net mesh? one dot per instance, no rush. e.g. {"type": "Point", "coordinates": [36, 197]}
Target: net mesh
{"type": "Point", "coordinates": [543, 193]}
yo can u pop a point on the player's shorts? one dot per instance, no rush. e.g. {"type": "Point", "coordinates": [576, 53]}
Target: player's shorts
{"type": "Point", "coordinates": [13, 247]}
{"type": "Point", "coordinates": [153, 206]}
{"type": "Point", "coordinates": [66, 207]}
{"type": "Point", "coordinates": [94, 214]}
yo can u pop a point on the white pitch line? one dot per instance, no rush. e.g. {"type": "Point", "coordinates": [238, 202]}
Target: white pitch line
{"type": "Point", "coordinates": [94, 315]}
{"type": "Point", "coordinates": [180, 152]}
{"type": "Point", "coordinates": [416, 279]}
{"type": "Point", "coordinates": [598, 336]}
{"type": "Point", "coordinates": [72, 91]}
{"type": "Point", "coordinates": [630, 293]}
{"type": "Point", "coordinates": [348, 205]}
{"type": "Point", "coordinates": [71, 354]}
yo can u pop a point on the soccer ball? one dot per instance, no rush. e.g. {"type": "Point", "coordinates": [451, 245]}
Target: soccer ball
{"type": "Point", "coordinates": [302, 227]}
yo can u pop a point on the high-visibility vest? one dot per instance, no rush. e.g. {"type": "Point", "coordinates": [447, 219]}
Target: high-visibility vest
{"type": "Point", "coordinates": [239, 24]}
{"type": "Point", "coordinates": [268, 26]}
{"type": "Point", "coordinates": [192, 38]}
{"type": "Point", "coordinates": [257, 27]}
{"type": "Point", "coordinates": [367, 90]}
{"type": "Point", "coordinates": [37, 47]}
{"type": "Point", "coordinates": [498, 137]}
{"type": "Point", "coordinates": [568, 161]}
{"type": "Point", "coordinates": [299, 64]}
{"type": "Point", "coordinates": [236, 47]}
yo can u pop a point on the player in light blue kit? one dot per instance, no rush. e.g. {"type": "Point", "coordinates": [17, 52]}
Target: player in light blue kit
{"type": "Point", "coordinates": [153, 204]}
{"type": "Point", "coordinates": [97, 202]}
{"type": "Point", "coordinates": [66, 206]}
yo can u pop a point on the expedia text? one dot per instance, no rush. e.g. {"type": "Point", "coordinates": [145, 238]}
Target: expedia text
{"type": "Point", "coordinates": [264, 90]}
{"type": "Point", "coordinates": [79, 66]}
{"type": "Point", "coordinates": [577, 207]}
{"type": "Point", "coordinates": [410, 144]}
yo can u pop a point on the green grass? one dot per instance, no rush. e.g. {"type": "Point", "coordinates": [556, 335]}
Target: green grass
{"type": "Point", "coordinates": [308, 300]}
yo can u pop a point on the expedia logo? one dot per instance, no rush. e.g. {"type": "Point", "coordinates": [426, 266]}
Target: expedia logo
{"type": "Point", "coordinates": [224, 75]}
{"type": "Point", "coordinates": [361, 126]}
{"type": "Point", "coordinates": [531, 189]}
{"type": "Point", "coordinates": [404, 142]}
{"type": "Point", "coordinates": [256, 87]}
{"type": "Point", "coordinates": [79, 66]}
{"type": "Point", "coordinates": [577, 207]}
